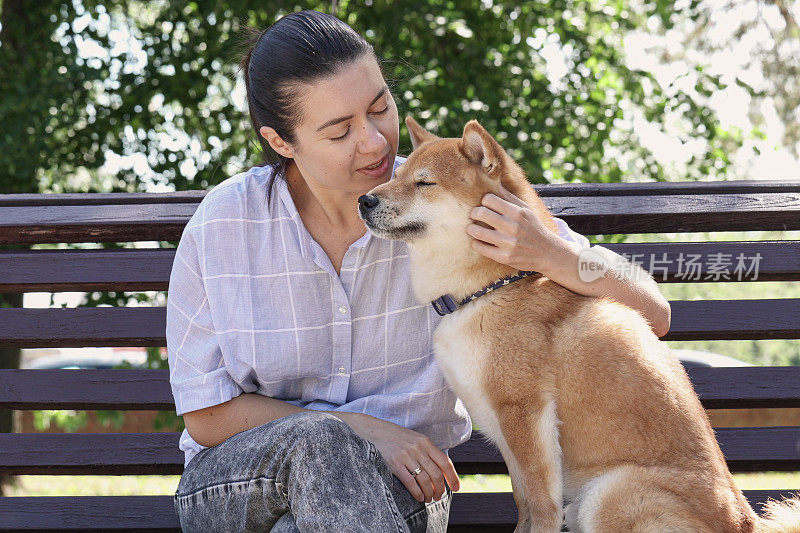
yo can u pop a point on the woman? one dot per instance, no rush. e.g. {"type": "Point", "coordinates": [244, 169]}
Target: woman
{"type": "Point", "coordinates": [299, 358]}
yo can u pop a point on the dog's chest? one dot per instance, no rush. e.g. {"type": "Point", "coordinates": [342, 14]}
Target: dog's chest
{"type": "Point", "coordinates": [463, 353]}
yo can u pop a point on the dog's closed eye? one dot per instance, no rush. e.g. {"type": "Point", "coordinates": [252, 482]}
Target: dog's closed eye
{"type": "Point", "coordinates": [424, 183]}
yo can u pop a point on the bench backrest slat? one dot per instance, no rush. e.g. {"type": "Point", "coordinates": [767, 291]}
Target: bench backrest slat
{"type": "Point", "coordinates": [138, 389]}
{"type": "Point", "coordinates": [544, 189]}
{"type": "Point", "coordinates": [145, 326]}
{"type": "Point", "coordinates": [469, 512]}
{"type": "Point", "coordinates": [121, 269]}
{"type": "Point", "coordinates": [745, 449]}
{"type": "Point", "coordinates": [123, 222]}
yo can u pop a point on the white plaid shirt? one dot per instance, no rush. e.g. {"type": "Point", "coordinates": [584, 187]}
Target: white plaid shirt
{"type": "Point", "coordinates": [255, 305]}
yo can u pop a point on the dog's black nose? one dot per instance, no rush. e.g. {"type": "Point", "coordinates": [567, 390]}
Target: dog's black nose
{"type": "Point", "coordinates": [367, 202]}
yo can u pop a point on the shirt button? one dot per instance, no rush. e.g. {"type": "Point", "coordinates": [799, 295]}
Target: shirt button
{"type": "Point", "coordinates": [341, 370]}
{"type": "Point", "coordinates": [342, 309]}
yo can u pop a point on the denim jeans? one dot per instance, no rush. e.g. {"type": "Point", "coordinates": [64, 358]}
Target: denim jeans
{"type": "Point", "coordinates": [307, 471]}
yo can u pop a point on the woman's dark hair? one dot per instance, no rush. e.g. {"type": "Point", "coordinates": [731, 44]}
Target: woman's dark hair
{"type": "Point", "coordinates": [299, 48]}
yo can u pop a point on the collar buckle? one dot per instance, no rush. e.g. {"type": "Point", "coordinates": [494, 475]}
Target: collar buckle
{"type": "Point", "coordinates": [444, 305]}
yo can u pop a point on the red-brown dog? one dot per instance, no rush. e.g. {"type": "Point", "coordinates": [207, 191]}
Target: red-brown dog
{"type": "Point", "coordinates": [583, 400]}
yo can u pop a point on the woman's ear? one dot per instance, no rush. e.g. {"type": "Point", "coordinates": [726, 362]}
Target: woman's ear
{"type": "Point", "coordinates": [279, 145]}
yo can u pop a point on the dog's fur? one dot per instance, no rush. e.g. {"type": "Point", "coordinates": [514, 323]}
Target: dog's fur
{"type": "Point", "coordinates": [580, 396]}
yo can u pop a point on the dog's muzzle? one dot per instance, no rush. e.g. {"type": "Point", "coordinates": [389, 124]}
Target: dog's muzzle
{"type": "Point", "coordinates": [366, 203]}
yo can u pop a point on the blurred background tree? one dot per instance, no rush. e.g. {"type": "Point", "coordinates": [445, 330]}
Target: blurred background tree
{"type": "Point", "coordinates": [155, 81]}
{"type": "Point", "coordinates": [754, 46]}
{"type": "Point", "coordinates": [133, 96]}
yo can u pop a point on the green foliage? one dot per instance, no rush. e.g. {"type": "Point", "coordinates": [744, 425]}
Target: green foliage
{"type": "Point", "coordinates": [69, 421]}
{"type": "Point", "coordinates": [448, 62]}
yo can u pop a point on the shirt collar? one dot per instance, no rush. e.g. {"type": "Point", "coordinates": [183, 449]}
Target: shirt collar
{"type": "Point", "coordinates": [288, 203]}
{"type": "Point", "coordinates": [303, 234]}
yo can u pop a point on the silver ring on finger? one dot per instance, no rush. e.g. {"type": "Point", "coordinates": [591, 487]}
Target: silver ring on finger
{"type": "Point", "coordinates": [416, 471]}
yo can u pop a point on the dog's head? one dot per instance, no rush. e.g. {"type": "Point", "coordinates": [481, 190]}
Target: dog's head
{"type": "Point", "coordinates": [431, 195]}
{"type": "Point", "coordinates": [428, 205]}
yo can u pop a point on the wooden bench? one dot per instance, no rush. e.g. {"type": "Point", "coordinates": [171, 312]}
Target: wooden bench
{"type": "Point", "coordinates": [588, 208]}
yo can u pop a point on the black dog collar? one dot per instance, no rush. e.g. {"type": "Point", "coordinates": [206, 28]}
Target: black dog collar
{"type": "Point", "coordinates": [445, 304]}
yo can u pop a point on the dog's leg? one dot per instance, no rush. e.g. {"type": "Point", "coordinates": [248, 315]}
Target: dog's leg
{"type": "Point", "coordinates": [524, 515]}
{"type": "Point", "coordinates": [571, 517]}
{"type": "Point", "coordinates": [627, 499]}
{"type": "Point", "coordinates": [531, 433]}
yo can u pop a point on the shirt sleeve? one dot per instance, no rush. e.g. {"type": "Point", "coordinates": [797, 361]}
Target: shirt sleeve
{"type": "Point", "coordinates": [567, 234]}
{"type": "Point", "coordinates": [198, 375]}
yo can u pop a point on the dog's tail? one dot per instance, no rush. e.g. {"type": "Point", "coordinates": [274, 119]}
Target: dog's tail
{"type": "Point", "coordinates": [781, 517]}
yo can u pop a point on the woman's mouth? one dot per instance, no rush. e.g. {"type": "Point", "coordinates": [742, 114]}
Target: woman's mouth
{"type": "Point", "coordinates": [378, 169]}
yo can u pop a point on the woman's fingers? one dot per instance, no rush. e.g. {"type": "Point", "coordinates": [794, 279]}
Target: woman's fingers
{"type": "Point", "coordinates": [404, 450]}
{"type": "Point", "coordinates": [484, 234]}
{"type": "Point", "coordinates": [434, 478]}
{"type": "Point", "coordinates": [489, 250]}
{"type": "Point", "coordinates": [410, 482]}
{"type": "Point", "coordinates": [508, 207]}
{"type": "Point", "coordinates": [508, 196]}
{"type": "Point", "coordinates": [447, 468]}
{"type": "Point", "coordinates": [423, 481]}
{"type": "Point", "coordinates": [492, 218]}
{"type": "Point", "coordinates": [429, 484]}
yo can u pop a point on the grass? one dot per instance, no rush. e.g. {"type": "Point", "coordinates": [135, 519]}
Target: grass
{"type": "Point", "coordinates": [167, 485]}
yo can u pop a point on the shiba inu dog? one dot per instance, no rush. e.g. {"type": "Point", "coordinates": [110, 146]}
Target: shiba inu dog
{"type": "Point", "coordinates": [582, 399]}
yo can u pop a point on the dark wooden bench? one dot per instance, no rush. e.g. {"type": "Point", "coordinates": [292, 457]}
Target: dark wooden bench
{"type": "Point", "coordinates": [588, 208]}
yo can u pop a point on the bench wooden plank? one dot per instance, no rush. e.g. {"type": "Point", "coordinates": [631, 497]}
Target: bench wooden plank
{"type": "Point", "coordinates": [544, 189]}
{"type": "Point", "coordinates": [91, 453]}
{"type": "Point", "coordinates": [95, 223]}
{"type": "Point", "coordinates": [124, 222]}
{"type": "Point", "coordinates": [678, 213]}
{"type": "Point", "coordinates": [149, 390]}
{"type": "Point", "coordinates": [126, 198]}
{"type": "Point", "coordinates": [121, 269]}
{"type": "Point", "coordinates": [492, 511]}
{"type": "Point", "coordinates": [83, 326]}
{"type": "Point", "coordinates": [734, 319]}
{"type": "Point", "coordinates": [745, 449]}
{"type": "Point", "coordinates": [482, 510]}
{"type": "Point", "coordinates": [146, 326]}
{"type": "Point", "coordinates": [114, 269]}
{"type": "Point", "coordinates": [667, 187]}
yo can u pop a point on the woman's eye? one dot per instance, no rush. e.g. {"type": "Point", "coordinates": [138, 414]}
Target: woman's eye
{"type": "Point", "coordinates": [381, 112]}
{"type": "Point", "coordinates": [424, 183]}
{"type": "Point", "coordinates": [341, 137]}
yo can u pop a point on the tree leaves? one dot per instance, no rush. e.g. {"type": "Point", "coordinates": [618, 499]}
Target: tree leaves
{"type": "Point", "coordinates": [448, 62]}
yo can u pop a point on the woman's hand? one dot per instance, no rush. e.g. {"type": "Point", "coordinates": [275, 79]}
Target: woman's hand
{"type": "Point", "coordinates": [519, 239]}
{"type": "Point", "coordinates": [404, 450]}
{"type": "Point", "coordinates": [516, 237]}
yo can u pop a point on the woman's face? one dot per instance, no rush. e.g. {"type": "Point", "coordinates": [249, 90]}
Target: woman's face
{"type": "Point", "coordinates": [349, 123]}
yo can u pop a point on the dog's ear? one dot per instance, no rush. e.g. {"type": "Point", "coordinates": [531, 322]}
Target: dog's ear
{"type": "Point", "coordinates": [482, 149]}
{"type": "Point", "coordinates": [418, 134]}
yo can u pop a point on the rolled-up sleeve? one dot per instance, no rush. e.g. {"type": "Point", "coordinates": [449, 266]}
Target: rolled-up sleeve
{"type": "Point", "coordinates": [198, 376]}
{"type": "Point", "coordinates": [568, 234]}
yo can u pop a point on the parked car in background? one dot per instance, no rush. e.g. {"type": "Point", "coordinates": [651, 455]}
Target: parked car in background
{"type": "Point", "coordinates": [699, 358]}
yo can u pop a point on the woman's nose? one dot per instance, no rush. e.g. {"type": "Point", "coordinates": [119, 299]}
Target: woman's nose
{"type": "Point", "coordinates": [372, 140]}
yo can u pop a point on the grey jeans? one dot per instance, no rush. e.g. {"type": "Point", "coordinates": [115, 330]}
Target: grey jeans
{"type": "Point", "coordinates": [307, 471]}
